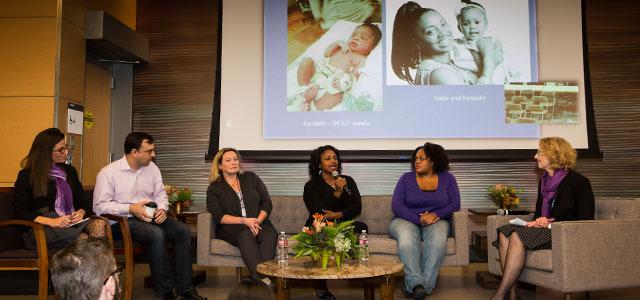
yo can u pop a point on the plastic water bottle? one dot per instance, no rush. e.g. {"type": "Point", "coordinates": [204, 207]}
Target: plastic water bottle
{"type": "Point", "coordinates": [363, 243]}
{"type": "Point", "coordinates": [282, 252]}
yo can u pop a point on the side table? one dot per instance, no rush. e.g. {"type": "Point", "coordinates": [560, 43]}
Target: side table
{"type": "Point", "coordinates": [378, 272]}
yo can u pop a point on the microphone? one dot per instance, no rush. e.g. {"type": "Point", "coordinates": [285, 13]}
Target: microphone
{"type": "Point", "coordinates": [336, 175]}
{"type": "Point", "coordinates": [502, 212]}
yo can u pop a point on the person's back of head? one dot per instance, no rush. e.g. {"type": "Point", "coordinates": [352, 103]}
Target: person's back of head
{"type": "Point", "coordinates": [85, 271]}
{"type": "Point", "coordinates": [251, 289]}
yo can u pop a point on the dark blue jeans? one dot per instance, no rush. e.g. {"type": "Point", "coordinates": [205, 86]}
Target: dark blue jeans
{"type": "Point", "coordinates": [154, 237]}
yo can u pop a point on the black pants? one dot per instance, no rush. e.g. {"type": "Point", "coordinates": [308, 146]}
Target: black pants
{"type": "Point", "coordinates": [254, 249]}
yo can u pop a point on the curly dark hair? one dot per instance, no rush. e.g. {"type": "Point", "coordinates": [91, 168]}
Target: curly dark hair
{"type": "Point", "coordinates": [314, 160]}
{"type": "Point", "coordinates": [436, 154]}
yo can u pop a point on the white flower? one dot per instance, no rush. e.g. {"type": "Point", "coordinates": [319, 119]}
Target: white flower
{"type": "Point", "coordinates": [343, 244]}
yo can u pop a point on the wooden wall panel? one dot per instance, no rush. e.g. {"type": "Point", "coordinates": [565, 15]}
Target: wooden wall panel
{"type": "Point", "coordinates": [72, 62]}
{"type": "Point", "coordinates": [19, 127]}
{"type": "Point", "coordinates": [28, 8]}
{"type": "Point", "coordinates": [123, 10]}
{"type": "Point", "coordinates": [171, 94]}
{"type": "Point", "coordinates": [73, 12]}
{"type": "Point", "coordinates": [96, 139]}
{"type": "Point", "coordinates": [28, 55]}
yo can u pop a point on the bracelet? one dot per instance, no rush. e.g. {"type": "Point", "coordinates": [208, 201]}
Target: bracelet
{"type": "Point", "coordinates": [241, 220]}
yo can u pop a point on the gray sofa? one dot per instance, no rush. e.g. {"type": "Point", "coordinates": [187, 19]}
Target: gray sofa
{"type": "Point", "coordinates": [587, 255]}
{"type": "Point", "coordinates": [289, 214]}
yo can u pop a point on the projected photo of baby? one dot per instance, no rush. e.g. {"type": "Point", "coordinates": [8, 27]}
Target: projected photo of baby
{"type": "Point", "coordinates": [337, 69]}
{"type": "Point", "coordinates": [459, 42]}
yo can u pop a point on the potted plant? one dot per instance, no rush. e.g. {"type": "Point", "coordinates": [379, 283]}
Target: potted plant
{"type": "Point", "coordinates": [184, 196]}
{"type": "Point", "coordinates": [326, 239]}
{"type": "Point", "coordinates": [179, 199]}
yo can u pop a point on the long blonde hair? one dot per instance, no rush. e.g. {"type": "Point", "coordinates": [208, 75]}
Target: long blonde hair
{"type": "Point", "coordinates": [560, 153]}
{"type": "Point", "coordinates": [216, 173]}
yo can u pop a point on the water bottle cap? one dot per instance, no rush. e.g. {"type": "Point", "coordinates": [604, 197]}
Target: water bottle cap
{"type": "Point", "coordinates": [364, 231]}
{"type": "Point", "coordinates": [281, 232]}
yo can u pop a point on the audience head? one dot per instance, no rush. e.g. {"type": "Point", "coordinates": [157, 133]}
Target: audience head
{"type": "Point", "coordinates": [85, 270]}
{"type": "Point", "coordinates": [429, 157]}
{"type": "Point", "coordinates": [555, 153]}
{"type": "Point", "coordinates": [226, 161]}
{"type": "Point", "coordinates": [251, 289]}
{"type": "Point", "coordinates": [324, 159]}
{"type": "Point", "coordinates": [48, 148]}
{"type": "Point", "coordinates": [139, 147]}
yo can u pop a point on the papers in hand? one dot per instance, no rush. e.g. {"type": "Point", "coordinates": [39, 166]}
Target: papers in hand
{"type": "Point", "coordinates": [519, 222]}
{"type": "Point", "coordinates": [76, 223]}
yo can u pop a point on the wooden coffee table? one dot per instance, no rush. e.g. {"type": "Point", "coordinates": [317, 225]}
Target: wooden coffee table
{"type": "Point", "coordinates": [378, 272]}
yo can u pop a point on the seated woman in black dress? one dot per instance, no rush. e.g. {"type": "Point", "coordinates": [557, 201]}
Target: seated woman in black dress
{"type": "Point", "coordinates": [563, 195]}
{"type": "Point", "coordinates": [49, 192]}
{"type": "Point", "coordinates": [331, 194]}
{"type": "Point", "coordinates": [240, 205]}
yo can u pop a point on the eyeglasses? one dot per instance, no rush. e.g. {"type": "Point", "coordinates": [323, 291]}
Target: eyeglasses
{"type": "Point", "coordinates": [116, 274]}
{"type": "Point", "coordinates": [148, 151]}
{"type": "Point", "coordinates": [62, 150]}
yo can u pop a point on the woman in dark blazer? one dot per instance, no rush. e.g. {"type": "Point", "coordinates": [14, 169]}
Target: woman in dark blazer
{"type": "Point", "coordinates": [49, 192]}
{"type": "Point", "coordinates": [240, 205]}
{"type": "Point", "coordinates": [563, 195]}
{"type": "Point", "coordinates": [331, 194]}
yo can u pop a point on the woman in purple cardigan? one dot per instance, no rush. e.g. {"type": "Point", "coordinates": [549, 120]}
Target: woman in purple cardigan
{"type": "Point", "coordinates": [423, 203]}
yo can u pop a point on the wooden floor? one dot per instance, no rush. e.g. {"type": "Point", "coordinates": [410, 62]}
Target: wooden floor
{"type": "Point", "coordinates": [457, 283]}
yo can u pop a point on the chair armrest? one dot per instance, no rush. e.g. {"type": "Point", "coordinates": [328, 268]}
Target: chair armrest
{"type": "Point", "coordinates": [596, 254]}
{"type": "Point", "coordinates": [38, 232]}
{"type": "Point", "coordinates": [127, 241]}
{"type": "Point", "coordinates": [206, 232]}
{"type": "Point", "coordinates": [461, 234]}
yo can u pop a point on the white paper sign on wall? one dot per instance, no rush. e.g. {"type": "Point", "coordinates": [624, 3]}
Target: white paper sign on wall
{"type": "Point", "coordinates": [75, 118]}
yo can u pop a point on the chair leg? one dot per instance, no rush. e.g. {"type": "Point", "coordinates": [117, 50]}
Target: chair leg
{"type": "Point", "coordinates": [238, 275]}
{"type": "Point", "coordinates": [567, 296]}
{"type": "Point", "coordinates": [43, 284]}
{"type": "Point", "coordinates": [588, 296]}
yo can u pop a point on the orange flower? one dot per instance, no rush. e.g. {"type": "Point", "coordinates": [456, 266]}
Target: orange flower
{"type": "Point", "coordinates": [307, 230]}
{"type": "Point", "coordinates": [318, 216]}
{"type": "Point", "coordinates": [329, 223]}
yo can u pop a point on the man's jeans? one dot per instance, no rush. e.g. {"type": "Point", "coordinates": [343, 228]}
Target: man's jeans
{"type": "Point", "coordinates": [421, 250]}
{"type": "Point", "coordinates": [154, 237]}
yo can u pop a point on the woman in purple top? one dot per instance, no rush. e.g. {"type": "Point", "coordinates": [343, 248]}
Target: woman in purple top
{"type": "Point", "coordinates": [423, 202]}
{"type": "Point", "coordinates": [563, 195]}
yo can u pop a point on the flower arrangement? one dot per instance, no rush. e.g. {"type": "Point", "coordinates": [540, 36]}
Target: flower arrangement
{"type": "Point", "coordinates": [505, 196]}
{"type": "Point", "coordinates": [176, 195]}
{"type": "Point", "coordinates": [325, 239]}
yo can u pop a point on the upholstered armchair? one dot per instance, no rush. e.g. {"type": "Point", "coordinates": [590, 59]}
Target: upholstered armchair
{"type": "Point", "coordinates": [586, 256]}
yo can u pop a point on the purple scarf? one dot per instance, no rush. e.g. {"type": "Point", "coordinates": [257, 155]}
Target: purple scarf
{"type": "Point", "coordinates": [548, 189]}
{"type": "Point", "coordinates": [64, 195]}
